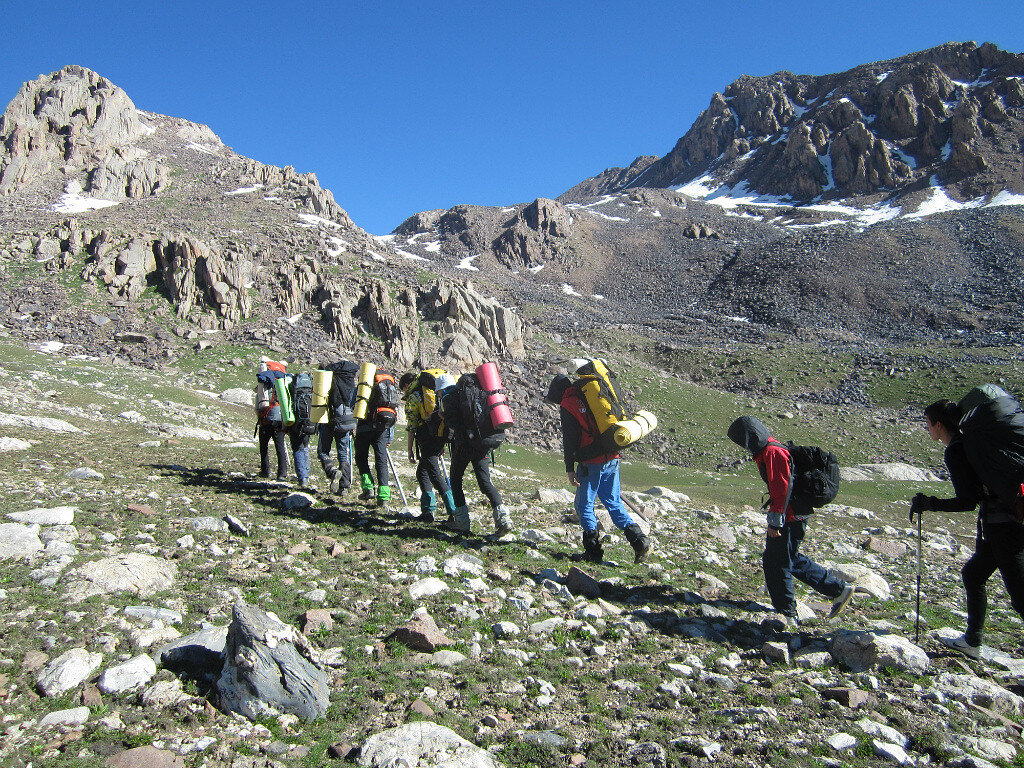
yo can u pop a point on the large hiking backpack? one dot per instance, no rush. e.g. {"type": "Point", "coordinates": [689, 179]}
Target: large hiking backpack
{"type": "Point", "coordinates": [466, 410]}
{"type": "Point", "coordinates": [993, 435]}
{"type": "Point", "coordinates": [341, 394]}
{"type": "Point", "coordinates": [384, 399]}
{"type": "Point", "coordinates": [302, 403]}
{"type": "Point", "coordinates": [815, 476]}
{"type": "Point", "coordinates": [426, 386]}
{"type": "Point", "coordinates": [599, 388]}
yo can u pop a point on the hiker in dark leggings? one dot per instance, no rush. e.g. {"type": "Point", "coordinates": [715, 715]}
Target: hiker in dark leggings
{"type": "Point", "coordinates": [1000, 540]}
{"type": "Point", "coordinates": [272, 430]}
{"type": "Point", "coordinates": [463, 455]}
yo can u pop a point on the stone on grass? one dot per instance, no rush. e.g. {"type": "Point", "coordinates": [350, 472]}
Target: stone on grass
{"type": "Point", "coordinates": [84, 473]}
{"type": "Point", "coordinates": [13, 444]}
{"type": "Point", "coordinates": [298, 500]}
{"type": "Point", "coordinates": [41, 516]}
{"type": "Point", "coordinates": [862, 577]}
{"type": "Point", "coordinates": [505, 629]}
{"type": "Point", "coordinates": [840, 742]}
{"type": "Point", "coordinates": [861, 651]}
{"type": "Point", "coordinates": [447, 658]}
{"type": "Point", "coordinates": [422, 744]}
{"type": "Point", "coordinates": [69, 718]}
{"type": "Point", "coordinates": [18, 541]}
{"type": "Point", "coordinates": [270, 668]}
{"type": "Point", "coordinates": [145, 757]}
{"type": "Point", "coordinates": [134, 673]}
{"type": "Point", "coordinates": [68, 671]}
{"type": "Point", "coordinates": [135, 572]}
{"type": "Point", "coordinates": [420, 633]}
{"type": "Point", "coordinates": [580, 582]}
{"type": "Point", "coordinates": [427, 588]}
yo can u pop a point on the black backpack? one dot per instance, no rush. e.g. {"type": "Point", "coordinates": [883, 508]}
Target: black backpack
{"type": "Point", "coordinates": [302, 398]}
{"type": "Point", "coordinates": [466, 412]}
{"type": "Point", "coordinates": [382, 408]}
{"type": "Point", "coordinates": [815, 477]}
{"type": "Point", "coordinates": [993, 435]}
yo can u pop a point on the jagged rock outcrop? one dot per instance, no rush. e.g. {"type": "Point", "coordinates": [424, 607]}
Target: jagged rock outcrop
{"type": "Point", "coordinates": [76, 122]}
{"type": "Point", "coordinates": [608, 181]}
{"type": "Point", "coordinates": [66, 120]}
{"type": "Point", "coordinates": [883, 128]}
{"type": "Point", "coordinates": [314, 197]}
{"type": "Point", "coordinates": [270, 668]}
{"type": "Point", "coordinates": [474, 328]}
{"type": "Point", "coordinates": [533, 236]}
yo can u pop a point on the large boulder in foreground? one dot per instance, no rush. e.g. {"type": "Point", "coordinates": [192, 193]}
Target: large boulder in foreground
{"type": "Point", "coordinates": [270, 668]}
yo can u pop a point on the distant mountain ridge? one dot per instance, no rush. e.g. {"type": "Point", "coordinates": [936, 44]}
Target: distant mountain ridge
{"type": "Point", "coordinates": [878, 131]}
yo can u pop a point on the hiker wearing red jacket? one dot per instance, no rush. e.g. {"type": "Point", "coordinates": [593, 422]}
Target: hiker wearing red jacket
{"type": "Point", "coordinates": [787, 525]}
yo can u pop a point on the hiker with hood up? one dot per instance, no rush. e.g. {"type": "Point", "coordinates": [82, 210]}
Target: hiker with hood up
{"type": "Point", "coordinates": [1000, 540]}
{"type": "Point", "coordinates": [596, 477]}
{"type": "Point", "coordinates": [787, 525]}
{"type": "Point", "coordinates": [337, 430]}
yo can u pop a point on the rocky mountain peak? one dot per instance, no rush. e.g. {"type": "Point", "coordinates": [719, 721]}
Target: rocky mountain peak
{"type": "Point", "coordinates": [882, 129]}
{"type": "Point", "coordinates": [71, 120]}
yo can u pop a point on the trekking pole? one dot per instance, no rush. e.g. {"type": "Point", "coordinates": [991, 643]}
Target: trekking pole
{"type": "Point", "coordinates": [630, 504]}
{"type": "Point", "coordinates": [394, 474]}
{"type": "Point", "coordinates": [917, 612]}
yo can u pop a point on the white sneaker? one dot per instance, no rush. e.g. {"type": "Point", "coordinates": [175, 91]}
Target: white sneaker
{"type": "Point", "coordinates": [840, 603]}
{"type": "Point", "coordinates": [961, 644]}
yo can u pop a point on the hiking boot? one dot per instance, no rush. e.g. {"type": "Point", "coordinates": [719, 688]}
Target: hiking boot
{"type": "Point", "coordinates": [460, 520]}
{"type": "Point", "coordinates": [383, 494]}
{"type": "Point", "coordinates": [367, 484]}
{"type": "Point", "coordinates": [593, 552]}
{"type": "Point", "coordinates": [282, 478]}
{"type": "Point", "coordinates": [638, 540]}
{"type": "Point", "coordinates": [264, 475]}
{"type": "Point", "coordinates": [961, 644]}
{"type": "Point", "coordinates": [502, 521]}
{"type": "Point", "coordinates": [427, 507]}
{"type": "Point", "coordinates": [335, 481]}
{"type": "Point", "coordinates": [840, 603]}
{"type": "Point", "coordinates": [307, 484]}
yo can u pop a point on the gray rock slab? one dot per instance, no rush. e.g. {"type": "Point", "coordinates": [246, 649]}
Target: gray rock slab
{"type": "Point", "coordinates": [422, 744]}
{"type": "Point", "coordinates": [69, 718]}
{"type": "Point", "coordinates": [19, 541]}
{"type": "Point", "coordinates": [135, 572]}
{"type": "Point", "coordinates": [36, 422]}
{"type": "Point", "coordinates": [134, 673]}
{"type": "Point", "coordinates": [68, 671]}
{"type": "Point", "coordinates": [861, 651]}
{"type": "Point", "coordinates": [41, 516]}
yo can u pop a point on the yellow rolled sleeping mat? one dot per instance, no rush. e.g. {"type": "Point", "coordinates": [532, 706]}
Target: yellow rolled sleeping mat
{"type": "Point", "coordinates": [364, 388]}
{"type": "Point", "coordinates": [628, 432]}
{"type": "Point", "coordinates": [321, 389]}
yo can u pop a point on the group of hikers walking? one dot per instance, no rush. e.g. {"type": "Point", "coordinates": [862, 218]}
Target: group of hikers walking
{"type": "Point", "coordinates": [353, 408]}
{"type": "Point", "coordinates": [345, 403]}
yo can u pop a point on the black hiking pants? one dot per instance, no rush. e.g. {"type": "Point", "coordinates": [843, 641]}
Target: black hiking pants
{"type": "Point", "coordinates": [783, 560]}
{"type": "Point", "coordinates": [377, 439]}
{"type": "Point", "coordinates": [428, 470]}
{"type": "Point", "coordinates": [999, 546]}
{"type": "Point", "coordinates": [462, 456]}
{"type": "Point", "coordinates": [272, 431]}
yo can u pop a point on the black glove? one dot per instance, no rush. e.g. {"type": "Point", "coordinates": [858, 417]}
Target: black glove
{"type": "Point", "coordinates": [920, 503]}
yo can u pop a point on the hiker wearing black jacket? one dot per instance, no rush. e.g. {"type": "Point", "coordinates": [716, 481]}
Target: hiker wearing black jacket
{"type": "Point", "coordinates": [337, 430]}
{"type": "Point", "coordinates": [1000, 539]}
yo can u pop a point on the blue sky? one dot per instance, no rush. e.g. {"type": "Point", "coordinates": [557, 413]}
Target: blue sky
{"type": "Point", "coordinates": [405, 106]}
